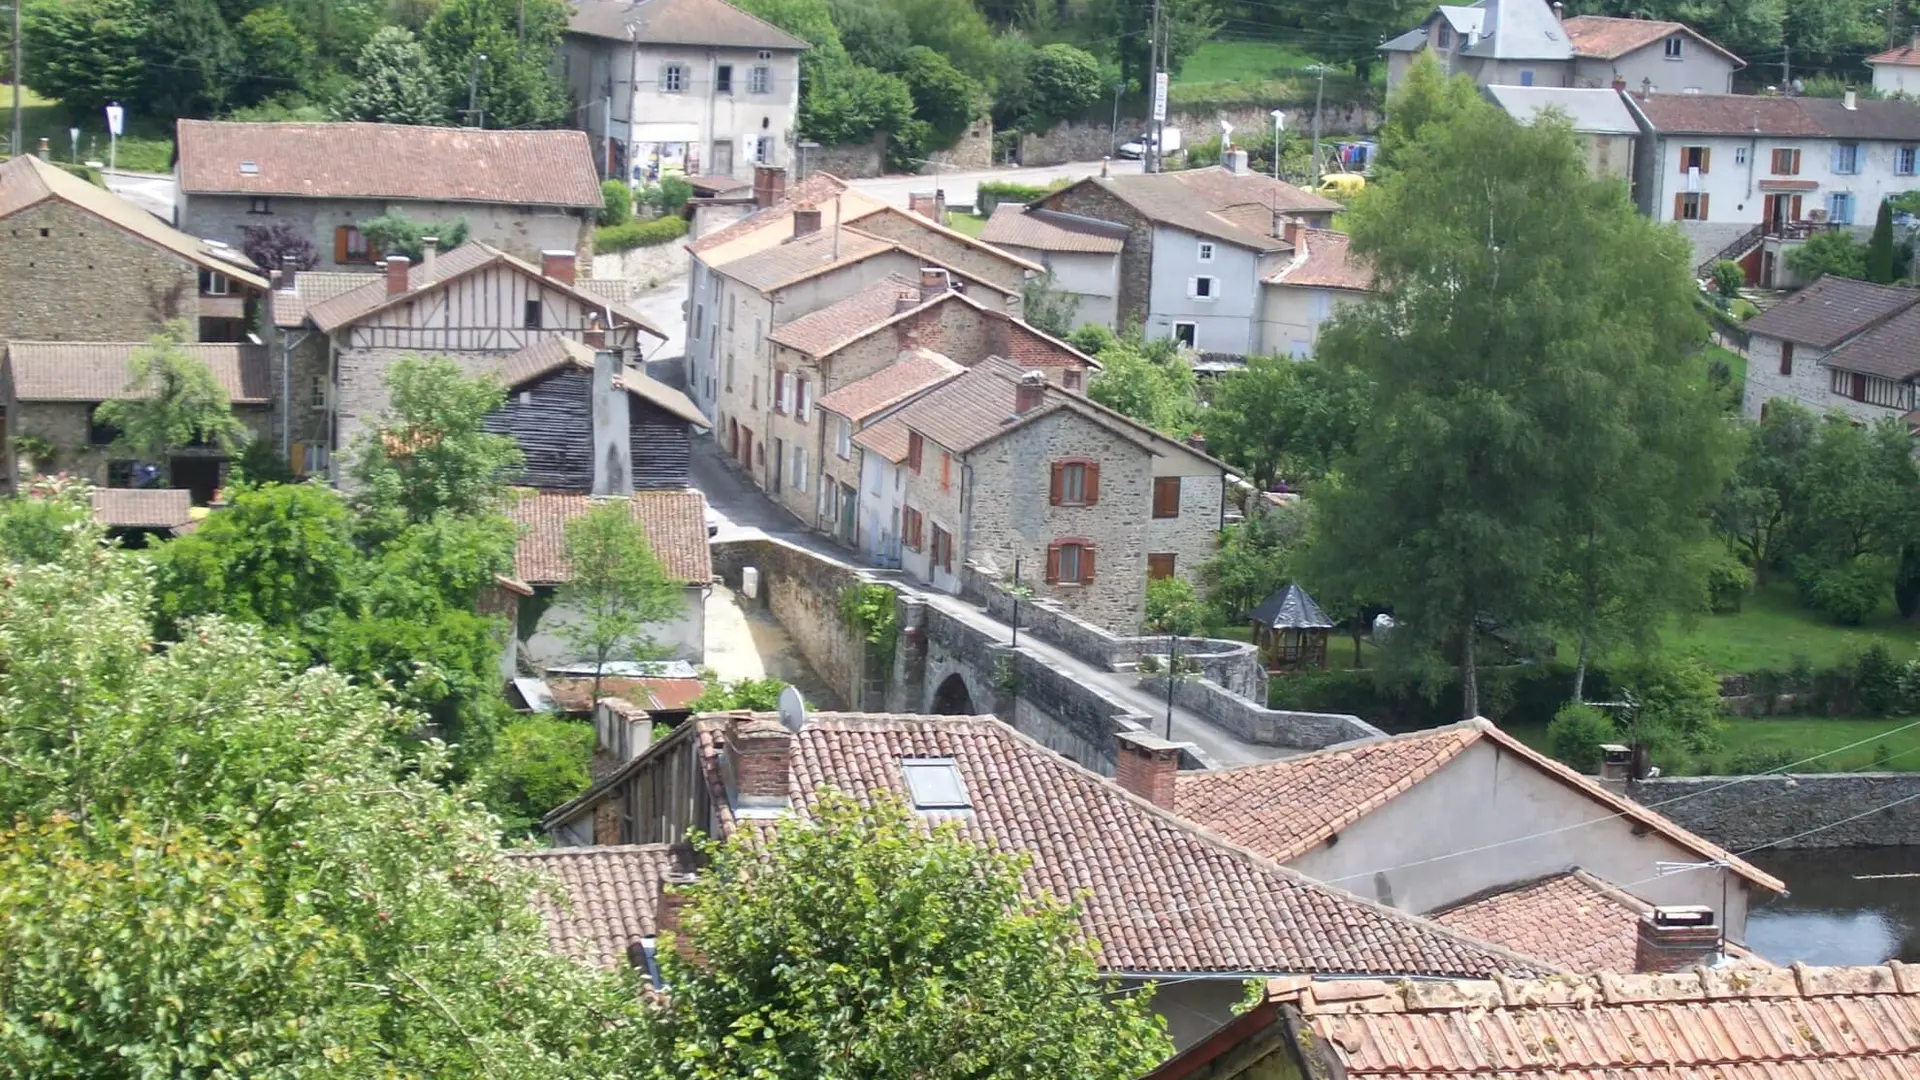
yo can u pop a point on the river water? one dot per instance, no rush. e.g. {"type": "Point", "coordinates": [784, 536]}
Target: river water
{"type": "Point", "coordinates": [1841, 908]}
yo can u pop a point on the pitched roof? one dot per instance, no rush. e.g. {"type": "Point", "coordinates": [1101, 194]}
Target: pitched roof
{"type": "Point", "coordinates": [913, 373]}
{"type": "Point", "coordinates": [603, 897]}
{"type": "Point", "coordinates": [27, 181]}
{"type": "Point", "coordinates": [143, 508]}
{"type": "Point", "coordinates": [651, 694]}
{"type": "Point", "coordinates": [1519, 30]}
{"type": "Point", "coordinates": [678, 22]}
{"type": "Point", "coordinates": [1327, 263]}
{"type": "Point", "coordinates": [924, 226]}
{"type": "Point", "coordinates": [675, 523]}
{"type": "Point", "coordinates": [356, 304]}
{"type": "Point", "coordinates": [551, 354]}
{"type": "Point", "coordinates": [819, 333]}
{"type": "Point", "coordinates": [388, 161]}
{"type": "Point", "coordinates": [635, 381]}
{"type": "Point", "coordinates": [1287, 807]}
{"type": "Point", "coordinates": [1831, 310]}
{"type": "Point", "coordinates": [1205, 201]}
{"type": "Point", "coordinates": [1899, 56]}
{"type": "Point", "coordinates": [1738, 1023]}
{"type": "Point", "coordinates": [1890, 349]}
{"type": "Point", "coordinates": [1748, 115]}
{"type": "Point", "coordinates": [98, 370]}
{"type": "Point", "coordinates": [975, 408]}
{"type": "Point", "coordinates": [1159, 895]}
{"type": "Point", "coordinates": [1291, 608]}
{"type": "Point", "coordinates": [1018, 225]}
{"type": "Point", "coordinates": [310, 287]}
{"type": "Point", "coordinates": [1573, 919]}
{"type": "Point", "coordinates": [887, 440]}
{"type": "Point", "coordinates": [806, 257]}
{"type": "Point", "coordinates": [1606, 38]}
{"type": "Point", "coordinates": [1596, 110]}
{"type": "Point", "coordinates": [770, 225]}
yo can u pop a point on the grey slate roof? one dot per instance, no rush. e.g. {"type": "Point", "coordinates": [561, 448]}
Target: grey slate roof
{"type": "Point", "coordinates": [1596, 110]}
{"type": "Point", "coordinates": [1520, 30]}
{"type": "Point", "coordinates": [1291, 609]}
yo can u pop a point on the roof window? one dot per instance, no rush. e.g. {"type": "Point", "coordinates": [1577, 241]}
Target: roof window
{"type": "Point", "coordinates": [934, 784]}
{"type": "Point", "coordinates": [249, 168]}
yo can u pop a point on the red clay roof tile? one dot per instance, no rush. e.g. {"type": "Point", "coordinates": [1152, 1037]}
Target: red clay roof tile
{"type": "Point", "coordinates": [675, 523]}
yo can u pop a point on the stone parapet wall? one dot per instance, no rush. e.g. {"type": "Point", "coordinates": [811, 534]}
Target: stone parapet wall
{"type": "Point", "coordinates": [1259, 724]}
{"type": "Point", "coordinates": [849, 161]}
{"type": "Point", "coordinates": [1744, 812]}
{"type": "Point", "coordinates": [1092, 140]}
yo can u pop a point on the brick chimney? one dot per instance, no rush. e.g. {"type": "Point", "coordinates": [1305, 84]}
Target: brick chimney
{"type": "Point", "coordinates": [1619, 83]}
{"type": "Point", "coordinates": [1676, 939]}
{"type": "Point", "coordinates": [758, 751]}
{"type": "Point", "coordinates": [933, 282]}
{"type": "Point", "coordinates": [906, 300]}
{"type": "Point", "coordinates": [1146, 765]}
{"type": "Point", "coordinates": [806, 221]}
{"type": "Point", "coordinates": [769, 185]}
{"type": "Point", "coordinates": [559, 265]}
{"type": "Point", "coordinates": [429, 247]}
{"type": "Point", "coordinates": [289, 272]}
{"type": "Point", "coordinates": [396, 274]}
{"type": "Point", "coordinates": [1236, 161]}
{"type": "Point", "coordinates": [1293, 233]}
{"type": "Point", "coordinates": [1029, 392]}
{"type": "Point", "coordinates": [669, 902]}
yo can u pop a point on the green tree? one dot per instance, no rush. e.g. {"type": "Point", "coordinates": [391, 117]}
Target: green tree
{"type": "Point", "coordinates": [1763, 496]}
{"type": "Point", "coordinates": [1280, 418]}
{"type": "Point", "coordinates": [873, 32]}
{"type": "Point", "coordinates": [505, 50]}
{"type": "Point", "coordinates": [194, 61]}
{"type": "Point", "coordinates": [1880, 264]}
{"type": "Point", "coordinates": [397, 82]}
{"type": "Point", "coordinates": [956, 31]}
{"type": "Point", "coordinates": [1046, 307]}
{"type": "Point", "coordinates": [616, 203]}
{"type": "Point", "coordinates": [538, 763]}
{"type": "Point", "coordinates": [1126, 26]}
{"type": "Point", "coordinates": [432, 454]}
{"type": "Point", "coordinates": [945, 97]}
{"type": "Point", "coordinates": [1062, 82]}
{"type": "Point", "coordinates": [85, 53]}
{"type": "Point", "coordinates": [1172, 607]}
{"type": "Point", "coordinates": [176, 402]}
{"type": "Point", "coordinates": [273, 556]}
{"type": "Point", "coordinates": [1254, 560]}
{"type": "Point", "coordinates": [1576, 733]}
{"type": "Point", "coordinates": [278, 57]}
{"type": "Point", "coordinates": [1833, 252]}
{"type": "Point", "coordinates": [859, 942]}
{"type": "Point", "coordinates": [1498, 362]}
{"type": "Point", "coordinates": [38, 528]}
{"type": "Point", "coordinates": [398, 234]}
{"type": "Point", "coordinates": [1861, 502]}
{"type": "Point", "coordinates": [1146, 380]}
{"type": "Point", "coordinates": [616, 587]}
{"type": "Point", "coordinates": [1426, 96]}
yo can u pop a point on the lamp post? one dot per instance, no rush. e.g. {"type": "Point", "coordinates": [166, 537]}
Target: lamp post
{"type": "Point", "coordinates": [1173, 661]}
{"type": "Point", "coordinates": [1279, 122]}
{"type": "Point", "coordinates": [1016, 602]}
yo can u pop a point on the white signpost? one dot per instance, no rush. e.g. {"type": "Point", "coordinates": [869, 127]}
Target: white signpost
{"type": "Point", "coordinates": [1160, 97]}
{"type": "Point", "coordinates": [115, 117]}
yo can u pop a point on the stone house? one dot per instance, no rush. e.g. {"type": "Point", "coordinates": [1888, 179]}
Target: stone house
{"type": "Point", "coordinates": [860, 483]}
{"type": "Point", "coordinates": [53, 390]}
{"type": "Point", "coordinates": [82, 264]}
{"type": "Point", "coordinates": [1319, 278]}
{"type": "Point", "coordinates": [693, 87]}
{"type": "Point", "coordinates": [1605, 128]}
{"type": "Point", "coordinates": [523, 192]}
{"type": "Point", "coordinates": [1219, 914]}
{"type": "Point", "coordinates": [1383, 819]}
{"type": "Point", "coordinates": [674, 521]}
{"type": "Point", "coordinates": [479, 305]}
{"type": "Point", "coordinates": [1198, 243]}
{"type": "Point", "coordinates": [1082, 254]}
{"type": "Point", "coordinates": [1002, 468]}
{"type": "Point", "coordinates": [1837, 345]}
{"type": "Point", "coordinates": [1897, 70]}
{"type": "Point", "coordinates": [1526, 43]}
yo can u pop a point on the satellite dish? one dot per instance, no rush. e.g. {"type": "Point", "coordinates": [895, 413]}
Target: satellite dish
{"type": "Point", "coordinates": [793, 710]}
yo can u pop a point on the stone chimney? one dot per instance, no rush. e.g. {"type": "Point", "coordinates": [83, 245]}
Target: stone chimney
{"type": "Point", "coordinates": [1236, 161]}
{"type": "Point", "coordinates": [1676, 939]}
{"type": "Point", "coordinates": [622, 730]}
{"type": "Point", "coordinates": [396, 274]}
{"type": "Point", "coordinates": [668, 903]}
{"type": "Point", "coordinates": [289, 272]}
{"type": "Point", "coordinates": [806, 221]}
{"type": "Point", "coordinates": [1029, 392]}
{"type": "Point", "coordinates": [612, 428]}
{"type": "Point", "coordinates": [933, 282]}
{"type": "Point", "coordinates": [769, 185]}
{"type": "Point", "coordinates": [905, 300]}
{"type": "Point", "coordinates": [1293, 233]}
{"type": "Point", "coordinates": [1850, 101]}
{"type": "Point", "coordinates": [1559, 11]}
{"type": "Point", "coordinates": [1146, 765]}
{"type": "Point", "coordinates": [429, 247]}
{"type": "Point", "coordinates": [559, 265]}
{"type": "Point", "coordinates": [758, 752]}
{"type": "Point", "coordinates": [1619, 83]}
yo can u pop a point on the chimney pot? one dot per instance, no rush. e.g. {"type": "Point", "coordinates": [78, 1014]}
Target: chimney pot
{"type": "Point", "coordinates": [759, 750]}
{"type": "Point", "coordinates": [397, 274]}
{"type": "Point", "coordinates": [1146, 765]}
{"type": "Point", "coordinates": [1676, 938]}
{"type": "Point", "coordinates": [1236, 161]}
{"type": "Point", "coordinates": [1850, 101]}
{"type": "Point", "coordinates": [429, 247]}
{"type": "Point", "coordinates": [806, 221]}
{"type": "Point", "coordinates": [558, 265]}
{"type": "Point", "coordinates": [769, 185]}
{"type": "Point", "coordinates": [289, 272]}
{"type": "Point", "coordinates": [905, 300]}
{"type": "Point", "coordinates": [933, 282]}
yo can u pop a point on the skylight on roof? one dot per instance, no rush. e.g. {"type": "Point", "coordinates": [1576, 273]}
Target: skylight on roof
{"type": "Point", "coordinates": [249, 168]}
{"type": "Point", "coordinates": [934, 784]}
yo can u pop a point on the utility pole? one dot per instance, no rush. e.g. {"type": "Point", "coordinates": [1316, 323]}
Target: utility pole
{"type": "Point", "coordinates": [1786, 70]}
{"type": "Point", "coordinates": [473, 90]}
{"type": "Point", "coordinates": [520, 30]}
{"type": "Point", "coordinates": [16, 144]}
{"type": "Point", "coordinates": [1154, 60]}
{"type": "Point", "coordinates": [1319, 93]}
{"type": "Point", "coordinates": [1173, 662]}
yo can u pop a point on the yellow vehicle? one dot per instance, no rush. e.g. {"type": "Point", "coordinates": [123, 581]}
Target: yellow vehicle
{"type": "Point", "coordinates": [1342, 185]}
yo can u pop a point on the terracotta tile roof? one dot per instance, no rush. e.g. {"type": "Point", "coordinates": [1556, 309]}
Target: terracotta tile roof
{"type": "Point", "coordinates": [310, 287]}
{"type": "Point", "coordinates": [27, 181]}
{"type": "Point", "coordinates": [1900, 56]}
{"type": "Point", "coordinates": [1607, 38]}
{"type": "Point", "coordinates": [678, 22]}
{"type": "Point", "coordinates": [1215, 203]}
{"type": "Point", "coordinates": [1016, 225]}
{"type": "Point", "coordinates": [975, 408]}
{"type": "Point", "coordinates": [809, 256]}
{"type": "Point", "coordinates": [143, 508]}
{"type": "Point", "coordinates": [1287, 807]}
{"type": "Point", "coordinates": [1328, 264]}
{"type": "Point", "coordinates": [388, 161]}
{"type": "Point", "coordinates": [1572, 919]}
{"type": "Point", "coordinates": [98, 370]}
{"type": "Point", "coordinates": [675, 523]}
{"type": "Point", "coordinates": [358, 303]}
{"type": "Point", "coordinates": [650, 694]}
{"type": "Point", "coordinates": [913, 373]}
{"type": "Point", "coordinates": [1890, 349]}
{"type": "Point", "coordinates": [886, 439]}
{"type": "Point", "coordinates": [820, 333]}
{"type": "Point", "coordinates": [1800, 1023]}
{"type": "Point", "coordinates": [1831, 310]}
{"type": "Point", "coordinates": [770, 225]}
{"type": "Point", "coordinates": [1747, 115]}
{"type": "Point", "coordinates": [1157, 894]}
{"type": "Point", "coordinates": [598, 899]}
{"type": "Point", "coordinates": [926, 227]}
{"type": "Point", "coordinates": [618, 290]}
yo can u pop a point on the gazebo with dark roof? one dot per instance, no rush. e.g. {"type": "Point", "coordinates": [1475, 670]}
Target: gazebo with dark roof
{"type": "Point", "coordinates": [1291, 630]}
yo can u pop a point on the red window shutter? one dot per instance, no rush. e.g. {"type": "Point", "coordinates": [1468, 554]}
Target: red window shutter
{"type": "Point", "coordinates": [1683, 159]}
{"type": "Point", "coordinates": [1093, 484]}
{"type": "Point", "coordinates": [1703, 205]}
{"type": "Point", "coordinates": [340, 244]}
{"type": "Point", "coordinates": [1786, 358]}
{"type": "Point", "coordinates": [1706, 159]}
{"type": "Point", "coordinates": [1679, 206]}
{"type": "Point", "coordinates": [946, 471]}
{"type": "Point", "coordinates": [1053, 563]}
{"type": "Point", "coordinates": [1054, 493]}
{"type": "Point", "coordinates": [913, 451]}
{"type": "Point", "coordinates": [1086, 564]}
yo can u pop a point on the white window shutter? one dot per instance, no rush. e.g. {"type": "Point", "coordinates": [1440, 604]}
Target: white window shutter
{"type": "Point", "coordinates": [1193, 287]}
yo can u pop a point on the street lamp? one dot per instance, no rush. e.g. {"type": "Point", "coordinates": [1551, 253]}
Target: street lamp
{"type": "Point", "coordinates": [1279, 122]}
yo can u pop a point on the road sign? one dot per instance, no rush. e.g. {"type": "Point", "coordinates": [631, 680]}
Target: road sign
{"type": "Point", "coordinates": [115, 116]}
{"type": "Point", "coordinates": [1160, 96]}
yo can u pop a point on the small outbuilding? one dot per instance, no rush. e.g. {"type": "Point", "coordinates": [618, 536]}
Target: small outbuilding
{"type": "Point", "coordinates": [1291, 630]}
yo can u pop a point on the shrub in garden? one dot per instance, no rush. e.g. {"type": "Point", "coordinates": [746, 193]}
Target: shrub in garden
{"type": "Point", "coordinates": [636, 234]}
{"type": "Point", "coordinates": [1576, 733]}
{"type": "Point", "coordinates": [617, 203]}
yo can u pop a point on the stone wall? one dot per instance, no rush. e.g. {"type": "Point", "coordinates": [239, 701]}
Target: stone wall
{"type": "Point", "coordinates": [1234, 665]}
{"type": "Point", "coordinates": [1744, 812]}
{"type": "Point", "coordinates": [72, 277]}
{"type": "Point", "coordinates": [1258, 724]}
{"type": "Point", "coordinates": [1072, 140]}
{"type": "Point", "coordinates": [849, 161]}
{"type": "Point", "coordinates": [646, 266]}
{"type": "Point", "coordinates": [973, 150]}
{"type": "Point", "coordinates": [802, 590]}
{"type": "Point", "coordinates": [1136, 256]}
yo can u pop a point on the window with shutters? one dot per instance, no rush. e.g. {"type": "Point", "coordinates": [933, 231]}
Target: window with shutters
{"type": "Point", "coordinates": [1846, 158]}
{"type": "Point", "coordinates": [779, 391]}
{"type": "Point", "coordinates": [1076, 482]}
{"type": "Point", "coordinates": [916, 446]}
{"type": "Point", "coordinates": [1840, 208]}
{"type": "Point", "coordinates": [351, 246]}
{"type": "Point", "coordinates": [946, 471]}
{"type": "Point", "coordinates": [942, 549]}
{"type": "Point", "coordinates": [1786, 358]}
{"type": "Point", "coordinates": [1695, 157]}
{"type": "Point", "coordinates": [1166, 496]}
{"type": "Point", "coordinates": [1903, 160]}
{"type": "Point", "coordinates": [803, 400]}
{"type": "Point", "coordinates": [673, 78]}
{"type": "Point", "coordinates": [1160, 565]}
{"type": "Point", "coordinates": [843, 437]}
{"type": "Point", "coordinates": [1786, 162]}
{"type": "Point", "coordinates": [1070, 562]}
{"type": "Point", "coordinates": [799, 469]}
{"type": "Point", "coordinates": [1690, 206]}
{"type": "Point", "coordinates": [763, 150]}
{"type": "Point", "coordinates": [910, 525]}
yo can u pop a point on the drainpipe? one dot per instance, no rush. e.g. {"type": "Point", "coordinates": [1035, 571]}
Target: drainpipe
{"type": "Point", "coordinates": [288, 343]}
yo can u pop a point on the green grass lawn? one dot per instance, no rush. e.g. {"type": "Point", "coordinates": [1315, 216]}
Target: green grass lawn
{"type": "Point", "coordinates": [1255, 73]}
{"type": "Point", "coordinates": [1771, 630]}
{"type": "Point", "coordinates": [1793, 738]}
{"type": "Point", "coordinates": [1734, 361]}
{"type": "Point", "coordinates": [966, 223]}
{"type": "Point", "coordinates": [147, 146]}
{"type": "Point", "coordinates": [1233, 61]}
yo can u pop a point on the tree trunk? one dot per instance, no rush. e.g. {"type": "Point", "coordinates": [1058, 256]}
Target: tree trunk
{"type": "Point", "coordinates": [1358, 622]}
{"type": "Point", "coordinates": [1469, 673]}
{"type": "Point", "coordinates": [1580, 669]}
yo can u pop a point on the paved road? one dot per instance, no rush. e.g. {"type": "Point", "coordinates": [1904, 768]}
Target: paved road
{"type": "Point", "coordinates": [961, 186]}
{"type": "Point", "coordinates": [743, 512]}
{"type": "Point", "coordinates": [151, 192]}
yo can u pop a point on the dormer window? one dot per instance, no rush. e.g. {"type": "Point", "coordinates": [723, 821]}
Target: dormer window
{"type": "Point", "coordinates": [1676, 47]}
{"type": "Point", "coordinates": [933, 784]}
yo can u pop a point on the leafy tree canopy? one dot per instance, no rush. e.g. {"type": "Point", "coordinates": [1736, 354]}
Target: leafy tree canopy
{"type": "Point", "coordinates": [178, 403]}
{"type": "Point", "coordinates": [1284, 419]}
{"type": "Point", "coordinates": [397, 83]}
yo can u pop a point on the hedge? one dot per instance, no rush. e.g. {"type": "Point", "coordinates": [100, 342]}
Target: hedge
{"type": "Point", "coordinates": [636, 234]}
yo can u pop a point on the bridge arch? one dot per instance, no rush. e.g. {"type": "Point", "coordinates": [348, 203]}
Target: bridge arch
{"type": "Point", "coordinates": [953, 697]}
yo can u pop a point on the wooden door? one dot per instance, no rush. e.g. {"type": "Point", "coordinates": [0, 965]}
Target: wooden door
{"type": "Point", "coordinates": [722, 164]}
{"type": "Point", "coordinates": [1159, 566]}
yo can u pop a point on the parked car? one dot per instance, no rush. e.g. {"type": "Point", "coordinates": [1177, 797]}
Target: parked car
{"type": "Point", "coordinates": [1138, 146]}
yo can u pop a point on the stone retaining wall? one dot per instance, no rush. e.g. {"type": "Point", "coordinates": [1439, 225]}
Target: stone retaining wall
{"type": "Point", "coordinates": [849, 161]}
{"type": "Point", "coordinates": [1259, 724]}
{"type": "Point", "coordinates": [1765, 809]}
{"type": "Point", "coordinates": [647, 267]}
{"type": "Point", "coordinates": [1076, 141]}
{"type": "Point", "coordinates": [802, 591]}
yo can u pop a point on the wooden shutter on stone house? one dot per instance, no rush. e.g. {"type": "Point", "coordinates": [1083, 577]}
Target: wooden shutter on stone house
{"type": "Point", "coordinates": [1053, 498]}
{"type": "Point", "coordinates": [1053, 559]}
{"type": "Point", "coordinates": [1093, 484]}
{"type": "Point", "coordinates": [340, 244]}
{"type": "Point", "coordinates": [1086, 564]}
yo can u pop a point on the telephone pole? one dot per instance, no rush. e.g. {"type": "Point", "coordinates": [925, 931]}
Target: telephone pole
{"type": "Point", "coordinates": [1318, 94]}
{"type": "Point", "coordinates": [1786, 69]}
{"type": "Point", "coordinates": [1154, 59]}
{"type": "Point", "coordinates": [473, 91]}
{"type": "Point", "coordinates": [17, 143]}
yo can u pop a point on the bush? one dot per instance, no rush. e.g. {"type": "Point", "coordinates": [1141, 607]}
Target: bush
{"type": "Point", "coordinates": [1876, 681]}
{"type": "Point", "coordinates": [1727, 582]}
{"type": "Point", "coordinates": [397, 234]}
{"type": "Point", "coordinates": [1728, 277]}
{"type": "Point", "coordinates": [1576, 733]}
{"type": "Point", "coordinates": [616, 203]}
{"type": "Point", "coordinates": [538, 762]}
{"type": "Point", "coordinates": [994, 192]}
{"type": "Point", "coordinates": [667, 196]}
{"type": "Point", "coordinates": [1062, 82]}
{"type": "Point", "coordinates": [637, 234]}
{"type": "Point", "coordinates": [1847, 593]}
